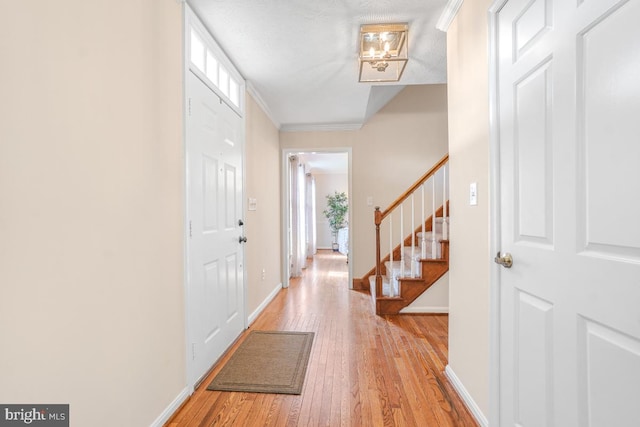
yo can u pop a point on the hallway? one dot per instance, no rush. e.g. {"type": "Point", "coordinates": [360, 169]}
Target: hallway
{"type": "Point", "coordinates": [364, 370]}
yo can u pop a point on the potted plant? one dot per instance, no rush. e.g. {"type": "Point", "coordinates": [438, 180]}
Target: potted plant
{"type": "Point", "coordinates": [336, 213]}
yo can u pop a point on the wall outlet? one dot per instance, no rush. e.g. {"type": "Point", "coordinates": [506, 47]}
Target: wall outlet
{"type": "Point", "coordinates": [264, 274]}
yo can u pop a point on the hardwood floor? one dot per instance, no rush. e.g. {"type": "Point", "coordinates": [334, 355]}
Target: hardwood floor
{"type": "Point", "coordinates": [364, 370]}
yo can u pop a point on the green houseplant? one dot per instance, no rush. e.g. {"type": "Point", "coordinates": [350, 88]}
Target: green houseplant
{"type": "Point", "coordinates": [336, 213]}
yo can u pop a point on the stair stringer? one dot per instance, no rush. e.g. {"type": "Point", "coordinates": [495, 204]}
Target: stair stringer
{"type": "Point", "coordinates": [412, 288]}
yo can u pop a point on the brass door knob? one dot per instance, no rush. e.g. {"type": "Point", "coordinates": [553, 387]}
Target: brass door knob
{"type": "Point", "coordinates": [506, 260]}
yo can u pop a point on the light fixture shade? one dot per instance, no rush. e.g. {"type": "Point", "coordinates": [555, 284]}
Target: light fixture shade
{"type": "Point", "coordinates": [384, 52]}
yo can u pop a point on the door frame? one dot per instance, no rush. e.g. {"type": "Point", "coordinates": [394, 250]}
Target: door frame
{"type": "Point", "coordinates": [494, 215]}
{"type": "Point", "coordinates": [191, 19]}
{"type": "Point", "coordinates": [286, 196]}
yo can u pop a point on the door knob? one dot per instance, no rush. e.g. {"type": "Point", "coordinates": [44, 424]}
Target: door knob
{"type": "Point", "coordinates": [242, 239]}
{"type": "Point", "coordinates": [505, 261]}
{"type": "Point", "coordinates": [240, 223]}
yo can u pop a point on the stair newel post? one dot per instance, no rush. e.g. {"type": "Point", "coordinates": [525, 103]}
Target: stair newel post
{"type": "Point", "coordinates": [378, 220]}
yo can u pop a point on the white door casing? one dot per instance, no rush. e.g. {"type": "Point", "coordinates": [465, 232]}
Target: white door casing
{"type": "Point", "coordinates": [568, 103]}
{"type": "Point", "coordinates": [215, 283]}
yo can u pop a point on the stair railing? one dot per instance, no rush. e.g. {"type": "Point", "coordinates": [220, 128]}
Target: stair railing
{"type": "Point", "coordinates": [426, 183]}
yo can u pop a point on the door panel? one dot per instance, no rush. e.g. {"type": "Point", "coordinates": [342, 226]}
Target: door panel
{"type": "Point", "coordinates": [568, 103]}
{"type": "Point", "coordinates": [215, 256]}
{"type": "Point", "coordinates": [534, 158]}
{"type": "Point", "coordinates": [609, 62]}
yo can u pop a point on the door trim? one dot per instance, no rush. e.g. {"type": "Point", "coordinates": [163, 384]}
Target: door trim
{"type": "Point", "coordinates": [285, 217]}
{"type": "Point", "coordinates": [190, 18]}
{"type": "Point", "coordinates": [494, 215]}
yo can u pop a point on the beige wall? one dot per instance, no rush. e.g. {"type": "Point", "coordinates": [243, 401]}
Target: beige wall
{"type": "Point", "coordinates": [91, 207]}
{"type": "Point", "coordinates": [262, 226]}
{"type": "Point", "coordinates": [467, 77]}
{"type": "Point", "coordinates": [326, 184]}
{"type": "Point", "coordinates": [398, 145]}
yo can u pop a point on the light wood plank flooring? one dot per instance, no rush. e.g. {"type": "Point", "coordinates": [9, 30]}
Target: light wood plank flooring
{"type": "Point", "coordinates": [364, 370]}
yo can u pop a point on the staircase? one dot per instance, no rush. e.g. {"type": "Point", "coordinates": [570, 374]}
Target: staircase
{"type": "Point", "coordinates": [415, 261]}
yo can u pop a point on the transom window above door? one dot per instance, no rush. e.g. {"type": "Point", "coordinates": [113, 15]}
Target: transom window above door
{"type": "Point", "coordinates": [210, 67]}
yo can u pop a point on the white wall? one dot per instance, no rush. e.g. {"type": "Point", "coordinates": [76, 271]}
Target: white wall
{"type": "Point", "coordinates": [91, 215]}
{"type": "Point", "coordinates": [327, 183]}
{"type": "Point", "coordinates": [397, 146]}
{"type": "Point", "coordinates": [467, 75]}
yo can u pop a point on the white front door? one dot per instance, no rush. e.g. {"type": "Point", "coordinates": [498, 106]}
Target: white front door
{"type": "Point", "coordinates": [568, 82]}
{"type": "Point", "coordinates": [215, 285]}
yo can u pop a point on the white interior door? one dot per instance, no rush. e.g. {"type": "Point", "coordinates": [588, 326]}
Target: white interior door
{"type": "Point", "coordinates": [215, 253]}
{"type": "Point", "coordinates": [569, 118]}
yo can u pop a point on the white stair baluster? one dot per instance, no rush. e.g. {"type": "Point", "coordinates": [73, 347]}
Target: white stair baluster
{"type": "Point", "coordinates": [423, 238]}
{"type": "Point", "coordinates": [413, 238]}
{"type": "Point", "coordinates": [401, 240]}
{"type": "Point", "coordinates": [434, 245]}
{"type": "Point", "coordinates": [445, 231]}
{"type": "Point", "coordinates": [391, 272]}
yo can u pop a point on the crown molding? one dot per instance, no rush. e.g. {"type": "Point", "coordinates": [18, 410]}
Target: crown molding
{"type": "Point", "coordinates": [260, 101]}
{"type": "Point", "coordinates": [328, 127]}
{"type": "Point", "coordinates": [449, 13]}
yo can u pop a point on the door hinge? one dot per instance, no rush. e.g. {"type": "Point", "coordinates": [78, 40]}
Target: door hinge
{"type": "Point", "coordinates": [190, 229]}
{"type": "Point", "coordinates": [189, 107]}
{"type": "Point", "coordinates": [193, 351]}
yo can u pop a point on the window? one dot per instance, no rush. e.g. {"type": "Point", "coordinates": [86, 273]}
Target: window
{"type": "Point", "coordinates": [197, 51]}
{"type": "Point", "coordinates": [204, 59]}
{"type": "Point", "coordinates": [212, 68]}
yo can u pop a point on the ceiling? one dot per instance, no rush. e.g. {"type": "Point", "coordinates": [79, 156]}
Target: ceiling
{"type": "Point", "coordinates": [325, 163]}
{"type": "Point", "coordinates": [300, 57]}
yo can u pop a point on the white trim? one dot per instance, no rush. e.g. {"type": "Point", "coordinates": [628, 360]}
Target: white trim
{"type": "Point", "coordinates": [257, 97]}
{"type": "Point", "coordinates": [466, 397]}
{"type": "Point", "coordinates": [253, 316]}
{"type": "Point", "coordinates": [328, 127]}
{"type": "Point", "coordinates": [448, 15]}
{"type": "Point", "coordinates": [425, 310]}
{"type": "Point", "coordinates": [494, 216]}
{"type": "Point", "coordinates": [171, 409]}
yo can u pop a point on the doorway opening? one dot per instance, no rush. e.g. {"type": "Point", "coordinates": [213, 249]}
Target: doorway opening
{"type": "Point", "coordinates": [309, 176]}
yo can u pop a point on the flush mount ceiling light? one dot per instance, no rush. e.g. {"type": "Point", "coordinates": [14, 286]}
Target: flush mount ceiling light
{"type": "Point", "coordinates": [383, 52]}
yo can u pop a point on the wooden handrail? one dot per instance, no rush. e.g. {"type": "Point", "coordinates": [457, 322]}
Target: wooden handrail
{"type": "Point", "coordinates": [411, 189]}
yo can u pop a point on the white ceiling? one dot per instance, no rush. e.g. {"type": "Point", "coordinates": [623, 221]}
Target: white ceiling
{"type": "Point", "coordinates": [325, 163]}
{"type": "Point", "coordinates": [300, 57]}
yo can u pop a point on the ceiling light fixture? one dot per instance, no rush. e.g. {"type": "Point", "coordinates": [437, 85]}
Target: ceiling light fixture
{"type": "Point", "coordinates": [384, 52]}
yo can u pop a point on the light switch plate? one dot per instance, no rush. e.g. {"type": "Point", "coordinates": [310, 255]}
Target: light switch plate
{"type": "Point", "coordinates": [369, 200]}
{"type": "Point", "coordinates": [253, 204]}
{"type": "Point", "coordinates": [473, 194]}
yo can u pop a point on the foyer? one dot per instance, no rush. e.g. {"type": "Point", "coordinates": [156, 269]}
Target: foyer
{"type": "Point", "coordinates": [365, 370]}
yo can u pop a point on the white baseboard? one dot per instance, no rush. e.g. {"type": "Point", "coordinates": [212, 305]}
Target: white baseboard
{"type": "Point", "coordinates": [171, 409]}
{"type": "Point", "coordinates": [253, 316]}
{"type": "Point", "coordinates": [466, 397]}
{"type": "Point", "coordinates": [424, 310]}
